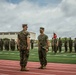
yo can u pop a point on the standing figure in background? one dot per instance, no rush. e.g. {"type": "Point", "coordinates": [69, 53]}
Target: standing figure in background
{"type": "Point", "coordinates": [12, 44]}
{"type": "Point", "coordinates": [65, 45]}
{"type": "Point", "coordinates": [55, 45]}
{"type": "Point", "coordinates": [52, 44]}
{"type": "Point", "coordinates": [60, 45]}
{"type": "Point", "coordinates": [54, 36]}
{"type": "Point", "coordinates": [6, 44]}
{"type": "Point", "coordinates": [32, 44]}
{"type": "Point", "coordinates": [1, 44]}
{"type": "Point", "coordinates": [75, 45]}
{"type": "Point", "coordinates": [70, 45]}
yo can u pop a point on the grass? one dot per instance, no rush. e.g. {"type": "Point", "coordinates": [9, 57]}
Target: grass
{"type": "Point", "coordinates": [69, 58]}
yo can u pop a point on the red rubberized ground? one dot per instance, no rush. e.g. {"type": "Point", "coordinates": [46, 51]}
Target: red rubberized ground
{"type": "Point", "coordinates": [8, 67]}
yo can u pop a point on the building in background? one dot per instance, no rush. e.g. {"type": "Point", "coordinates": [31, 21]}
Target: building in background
{"type": "Point", "coordinates": [13, 35]}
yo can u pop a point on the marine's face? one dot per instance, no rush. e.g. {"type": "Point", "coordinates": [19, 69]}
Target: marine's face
{"type": "Point", "coordinates": [25, 28]}
{"type": "Point", "coordinates": [41, 31]}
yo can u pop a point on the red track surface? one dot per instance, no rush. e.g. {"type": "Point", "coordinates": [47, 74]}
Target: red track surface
{"type": "Point", "coordinates": [8, 67]}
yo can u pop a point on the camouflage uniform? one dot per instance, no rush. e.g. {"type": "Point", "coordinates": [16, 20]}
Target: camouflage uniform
{"type": "Point", "coordinates": [42, 49]}
{"type": "Point", "coordinates": [70, 45]}
{"type": "Point", "coordinates": [24, 53]}
{"type": "Point", "coordinates": [75, 44]}
{"type": "Point", "coordinates": [60, 45]}
{"type": "Point", "coordinates": [32, 42]}
{"type": "Point", "coordinates": [12, 44]}
{"type": "Point", "coordinates": [55, 45]}
{"type": "Point", "coordinates": [52, 44]}
{"type": "Point", "coordinates": [7, 44]}
{"type": "Point", "coordinates": [65, 45]}
{"type": "Point", "coordinates": [1, 44]}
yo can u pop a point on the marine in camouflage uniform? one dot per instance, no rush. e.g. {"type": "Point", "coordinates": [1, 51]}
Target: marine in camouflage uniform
{"type": "Point", "coordinates": [24, 46]}
{"type": "Point", "coordinates": [70, 45]}
{"type": "Point", "coordinates": [65, 45]}
{"type": "Point", "coordinates": [60, 45]}
{"type": "Point", "coordinates": [55, 45]}
{"type": "Point", "coordinates": [75, 45]}
{"type": "Point", "coordinates": [7, 44]}
{"type": "Point", "coordinates": [12, 44]}
{"type": "Point", "coordinates": [52, 44]}
{"type": "Point", "coordinates": [32, 44]}
{"type": "Point", "coordinates": [42, 48]}
{"type": "Point", "coordinates": [1, 44]}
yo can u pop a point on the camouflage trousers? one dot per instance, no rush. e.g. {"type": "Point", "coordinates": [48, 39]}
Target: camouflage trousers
{"type": "Point", "coordinates": [24, 54]}
{"type": "Point", "coordinates": [55, 48]}
{"type": "Point", "coordinates": [66, 48]}
{"type": "Point", "coordinates": [42, 57]}
{"type": "Point", "coordinates": [70, 48]}
{"type": "Point", "coordinates": [12, 48]}
{"type": "Point", "coordinates": [75, 48]}
{"type": "Point", "coordinates": [1, 48]}
{"type": "Point", "coordinates": [60, 48]}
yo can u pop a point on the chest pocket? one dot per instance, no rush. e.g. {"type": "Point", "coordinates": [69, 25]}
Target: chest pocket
{"type": "Point", "coordinates": [23, 41]}
{"type": "Point", "coordinates": [42, 41]}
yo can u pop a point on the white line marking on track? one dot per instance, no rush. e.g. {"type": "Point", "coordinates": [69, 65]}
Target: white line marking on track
{"type": "Point", "coordinates": [64, 55]}
{"type": "Point", "coordinates": [32, 54]}
{"type": "Point", "coordinates": [6, 53]}
{"type": "Point", "coordinates": [12, 53]}
{"type": "Point", "coordinates": [48, 55]}
{"type": "Point", "coordinates": [73, 55]}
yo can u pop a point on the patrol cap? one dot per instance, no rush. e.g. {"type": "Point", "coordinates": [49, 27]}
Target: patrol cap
{"type": "Point", "coordinates": [42, 28]}
{"type": "Point", "coordinates": [23, 25]}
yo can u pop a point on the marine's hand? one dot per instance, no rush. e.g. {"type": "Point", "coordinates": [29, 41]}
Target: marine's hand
{"type": "Point", "coordinates": [18, 48]}
{"type": "Point", "coordinates": [28, 48]}
{"type": "Point", "coordinates": [46, 50]}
